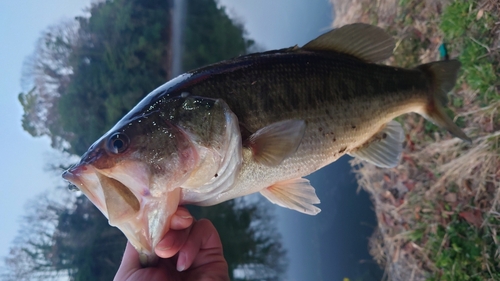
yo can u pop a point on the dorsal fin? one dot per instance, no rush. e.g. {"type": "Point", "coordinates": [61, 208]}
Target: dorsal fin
{"type": "Point", "coordinates": [367, 42]}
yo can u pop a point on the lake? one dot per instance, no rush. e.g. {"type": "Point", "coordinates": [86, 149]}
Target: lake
{"type": "Point", "coordinates": [333, 244]}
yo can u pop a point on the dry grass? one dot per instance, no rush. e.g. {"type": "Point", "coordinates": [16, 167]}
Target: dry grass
{"type": "Point", "coordinates": [440, 179]}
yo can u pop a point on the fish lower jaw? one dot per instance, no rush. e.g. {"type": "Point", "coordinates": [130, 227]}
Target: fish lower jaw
{"type": "Point", "coordinates": [138, 234]}
{"type": "Point", "coordinates": [133, 226]}
{"type": "Point", "coordinates": [147, 227]}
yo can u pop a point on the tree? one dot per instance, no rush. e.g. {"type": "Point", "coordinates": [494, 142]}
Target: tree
{"type": "Point", "coordinates": [85, 245]}
{"type": "Point", "coordinates": [69, 238]}
{"type": "Point", "coordinates": [30, 258]}
{"type": "Point", "coordinates": [117, 62]}
{"type": "Point", "coordinates": [211, 36]}
{"type": "Point", "coordinates": [86, 74]}
{"type": "Point", "coordinates": [47, 73]}
{"type": "Point", "coordinates": [83, 77]}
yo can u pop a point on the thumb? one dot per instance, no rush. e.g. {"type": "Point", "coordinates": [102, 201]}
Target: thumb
{"type": "Point", "coordinates": [130, 263]}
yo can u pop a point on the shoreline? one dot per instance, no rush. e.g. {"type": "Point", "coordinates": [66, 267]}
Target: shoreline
{"type": "Point", "coordinates": [438, 211]}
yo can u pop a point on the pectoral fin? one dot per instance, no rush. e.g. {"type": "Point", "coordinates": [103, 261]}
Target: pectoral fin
{"type": "Point", "coordinates": [272, 144]}
{"type": "Point", "coordinates": [384, 149]}
{"type": "Point", "coordinates": [296, 194]}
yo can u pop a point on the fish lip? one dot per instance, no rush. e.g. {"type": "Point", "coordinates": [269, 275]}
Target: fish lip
{"type": "Point", "coordinates": [81, 175]}
{"type": "Point", "coordinates": [69, 176]}
{"type": "Point", "coordinates": [72, 175]}
{"type": "Point", "coordinates": [72, 179]}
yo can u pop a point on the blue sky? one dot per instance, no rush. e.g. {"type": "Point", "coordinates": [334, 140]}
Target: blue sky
{"type": "Point", "coordinates": [281, 23]}
{"type": "Point", "coordinates": [23, 159]}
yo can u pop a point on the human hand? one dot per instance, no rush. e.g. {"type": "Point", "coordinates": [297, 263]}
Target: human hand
{"type": "Point", "coordinates": [191, 250]}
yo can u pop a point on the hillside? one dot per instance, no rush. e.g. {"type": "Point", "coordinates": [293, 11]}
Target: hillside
{"type": "Point", "coordinates": [438, 212]}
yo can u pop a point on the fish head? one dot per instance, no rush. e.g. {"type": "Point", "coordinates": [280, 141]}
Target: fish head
{"type": "Point", "coordinates": [134, 173]}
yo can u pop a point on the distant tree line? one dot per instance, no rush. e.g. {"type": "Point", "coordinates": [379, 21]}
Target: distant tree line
{"type": "Point", "coordinates": [83, 76]}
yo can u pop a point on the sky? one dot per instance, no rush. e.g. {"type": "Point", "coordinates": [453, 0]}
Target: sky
{"type": "Point", "coordinates": [23, 161]}
{"type": "Point", "coordinates": [276, 24]}
{"type": "Point", "coordinates": [23, 173]}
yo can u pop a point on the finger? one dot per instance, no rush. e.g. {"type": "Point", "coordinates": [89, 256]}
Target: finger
{"type": "Point", "coordinates": [182, 219]}
{"type": "Point", "coordinates": [203, 237]}
{"type": "Point", "coordinates": [130, 263]}
{"type": "Point", "coordinates": [172, 242]}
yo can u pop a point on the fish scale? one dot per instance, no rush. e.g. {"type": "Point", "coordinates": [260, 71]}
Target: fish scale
{"type": "Point", "coordinates": [302, 85]}
{"type": "Point", "coordinates": [258, 123]}
{"type": "Point", "coordinates": [348, 114]}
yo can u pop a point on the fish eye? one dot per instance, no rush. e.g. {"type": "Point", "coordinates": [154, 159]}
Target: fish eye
{"type": "Point", "coordinates": [118, 143]}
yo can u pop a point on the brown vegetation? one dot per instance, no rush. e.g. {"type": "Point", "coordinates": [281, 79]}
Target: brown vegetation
{"type": "Point", "coordinates": [440, 179]}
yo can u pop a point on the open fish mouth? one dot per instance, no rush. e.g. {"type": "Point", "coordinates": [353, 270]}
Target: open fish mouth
{"type": "Point", "coordinates": [143, 218]}
{"type": "Point", "coordinates": [85, 179]}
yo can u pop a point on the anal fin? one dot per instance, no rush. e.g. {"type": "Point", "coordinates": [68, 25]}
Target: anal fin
{"type": "Point", "coordinates": [296, 194]}
{"type": "Point", "coordinates": [384, 149]}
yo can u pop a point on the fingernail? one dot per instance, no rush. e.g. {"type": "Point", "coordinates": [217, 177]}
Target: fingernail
{"type": "Point", "coordinates": [182, 217]}
{"type": "Point", "coordinates": [183, 214]}
{"type": "Point", "coordinates": [180, 222]}
{"type": "Point", "coordinates": [164, 246]}
{"type": "Point", "coordinates": [181, 262]}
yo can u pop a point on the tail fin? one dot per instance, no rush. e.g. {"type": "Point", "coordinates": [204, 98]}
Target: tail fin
{"type": "Point", "coordinates": [443, 76]}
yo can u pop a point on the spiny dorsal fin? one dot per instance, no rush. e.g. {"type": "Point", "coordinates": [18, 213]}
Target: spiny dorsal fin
{"type": "Point", "coordinates": [296, 194]}
{"type": "Point", "coordinates": [367, 42]}
{"type": "Point", "coordinates": [272, 144]}
{"type": "Point", "coordinates": [384, 149]}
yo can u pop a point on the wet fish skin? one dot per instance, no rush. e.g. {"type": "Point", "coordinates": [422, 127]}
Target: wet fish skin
{"type": "Point", "coordinates": [258, 123]}
{"type": "Point", "coordinates": [343, 100]}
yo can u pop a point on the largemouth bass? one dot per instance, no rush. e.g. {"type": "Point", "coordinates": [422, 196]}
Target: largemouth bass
{"type": "Point", "coordinates": [258, 123]}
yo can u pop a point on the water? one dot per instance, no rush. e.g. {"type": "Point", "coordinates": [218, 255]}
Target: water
{"type": "Point", "coordinates": [334, 244]}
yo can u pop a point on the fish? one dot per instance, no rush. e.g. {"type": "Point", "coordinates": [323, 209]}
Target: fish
{"type": "Point", "coordinates": [258, 123]}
